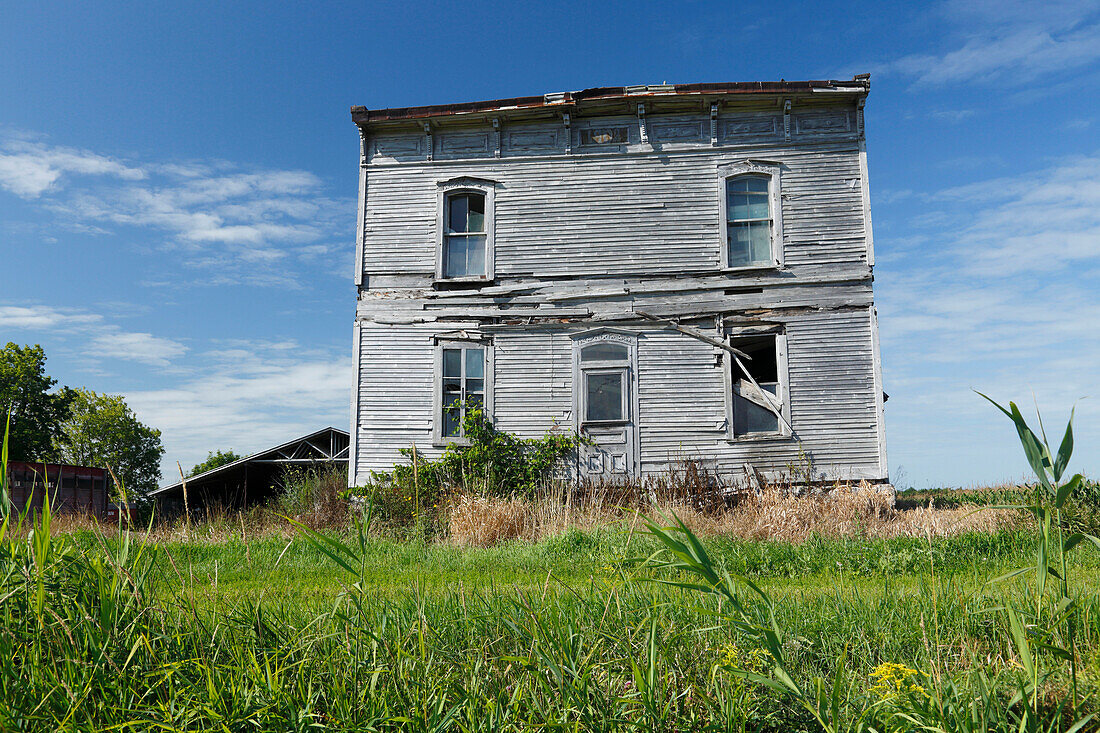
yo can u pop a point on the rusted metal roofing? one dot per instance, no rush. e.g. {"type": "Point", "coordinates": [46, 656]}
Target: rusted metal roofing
{"type": "Point", "coordinates": [859, 84]}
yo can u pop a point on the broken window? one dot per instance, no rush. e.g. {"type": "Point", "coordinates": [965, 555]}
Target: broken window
{"type": "Point", "coordinates": [464, 235]}
{"type": "Point", "coordinates": [758, 390]}
{"type": "Point", "coordinates": [463, 386]}
{"type": "Point", "coordinates": [605, 135]}
{"type": "Point", "coordinates": [748, 221]}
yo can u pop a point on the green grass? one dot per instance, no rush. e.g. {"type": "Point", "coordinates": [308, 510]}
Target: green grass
{"type": "Point", "coordinates": [272, 564]}
{"type": "Point", "coordinates": [566, 633]}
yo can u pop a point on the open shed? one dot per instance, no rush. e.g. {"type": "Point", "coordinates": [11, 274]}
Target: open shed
{"type": "Point", "coordinates": [255, 479]}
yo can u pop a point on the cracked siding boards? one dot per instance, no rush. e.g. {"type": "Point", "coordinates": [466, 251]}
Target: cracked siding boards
{"type": "Point", "coordinates": [585, 238]}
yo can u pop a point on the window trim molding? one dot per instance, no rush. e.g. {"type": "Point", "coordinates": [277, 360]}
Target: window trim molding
{"type": "Point", "coordinates": [472, 341]}
{"type": "Point", "coordinates": [466, 184]}
{"type": "Point", "coordinates": [772, 170]}
{"type": "Point", "coordinates": [783, 390]}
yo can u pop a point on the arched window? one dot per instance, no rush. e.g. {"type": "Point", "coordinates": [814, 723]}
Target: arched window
{"type": "Point", "coordinates": [605, 351]}
{"type": "Point", "coordinates": [748, 221]}
{"type": "Point", "coordinates": [464, 234]}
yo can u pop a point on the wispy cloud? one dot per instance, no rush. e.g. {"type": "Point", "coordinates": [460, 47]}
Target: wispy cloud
{"type": "Point", "coordinates": [30, 169]}
{"type": "Point", "coordinates": [993, 289]}
{"type": "Point", "coordinates": [144, 348]}
{"type": "Point", "coordinates": [94, 335]}
{"type": "Point", "coordinates": [233, 225]}
{"type": "Point", "coordinates": [1039, 222]}
{"type": "Point", "coordinates": [44, 316]}
{"type": "Point", "coordinates": [1006, 42]}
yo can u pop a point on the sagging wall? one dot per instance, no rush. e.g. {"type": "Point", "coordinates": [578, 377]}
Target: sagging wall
{"type": "Point", "coordinates": [682, 393]}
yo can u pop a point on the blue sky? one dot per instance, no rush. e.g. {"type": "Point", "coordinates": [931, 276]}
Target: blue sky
{"type": "Point", "coordinates": [177, 191]}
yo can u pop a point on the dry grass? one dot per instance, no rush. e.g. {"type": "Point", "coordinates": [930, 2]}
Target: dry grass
{"type": "Point", "coordinates": [862, 511]}
{"type": "Point", "coordinates": [695, 495]}
{"type": "Point", "coordinates": [483, 522]}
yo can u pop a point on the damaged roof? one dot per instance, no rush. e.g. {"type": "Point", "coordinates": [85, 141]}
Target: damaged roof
{"type": "Point", "coordinates": [860, 84]}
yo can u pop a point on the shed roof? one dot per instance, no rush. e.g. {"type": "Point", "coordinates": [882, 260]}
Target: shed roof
{"type": "Point", "coordinates": [327, 445]}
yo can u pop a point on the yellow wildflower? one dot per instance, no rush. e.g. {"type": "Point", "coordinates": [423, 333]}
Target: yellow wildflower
{"type": "Point", "coordinates": [894, 680]}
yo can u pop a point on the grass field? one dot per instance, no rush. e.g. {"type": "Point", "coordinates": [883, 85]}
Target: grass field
{"type": "Point", "coordinates": [268, 633]}
{"type": "Point", "coordinates": [532, 611]}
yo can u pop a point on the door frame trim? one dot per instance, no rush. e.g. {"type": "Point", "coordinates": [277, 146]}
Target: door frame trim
{"type": "Point", "coordinates": [629, 339]}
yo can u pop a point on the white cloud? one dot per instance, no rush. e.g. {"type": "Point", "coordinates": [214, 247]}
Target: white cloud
{"type": "Point", "coordinates": [44, 317]}
{"type": "Point", "coordinates": [30, 169]}
{"type": "Point", "coordinates": [239, 225]}
{"type": "Point", "coordinates": [250, 395]}
{"type": "Point", "coordinates": [1004, 42]}
{"type": "Point", "coordinates": [144, 348]}
{"type": "Point", "coordinates": [98, 339]}
{"type": "Point", "coordinates": [1034, 223]}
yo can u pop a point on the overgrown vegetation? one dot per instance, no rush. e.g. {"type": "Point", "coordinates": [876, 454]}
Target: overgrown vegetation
{"type": "Point", "coordinates": [486, 462]}
{"type": "Point", "coordinates": [362, 630]}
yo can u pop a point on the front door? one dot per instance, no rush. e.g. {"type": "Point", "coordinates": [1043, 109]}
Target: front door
{"type": "Point", "coordinates": [606, 420]}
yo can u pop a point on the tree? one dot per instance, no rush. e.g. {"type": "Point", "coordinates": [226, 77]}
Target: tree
{"type": "Point", "coordinates": [214, 459]}
{"type": "Point", "coordinates": [36, 412]}
{"type": "Point", "coordinates": [103, 431]}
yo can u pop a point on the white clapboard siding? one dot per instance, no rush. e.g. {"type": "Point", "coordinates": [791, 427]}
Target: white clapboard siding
{"type": "Point", "coordinates": [395, 395]}
{"type": "Point", "coordinates": [681, 395]}
{"type": "Point", "coordinates": [635, 213]}
{"type": "Point", "coordinates": [533, 381]}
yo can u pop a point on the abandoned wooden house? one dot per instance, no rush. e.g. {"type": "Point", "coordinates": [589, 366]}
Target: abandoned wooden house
{"type": "Point", "coordinates": [676, 271]}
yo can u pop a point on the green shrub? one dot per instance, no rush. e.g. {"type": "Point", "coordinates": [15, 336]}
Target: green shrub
{"type": "Point", "coordinates": [488, 461]}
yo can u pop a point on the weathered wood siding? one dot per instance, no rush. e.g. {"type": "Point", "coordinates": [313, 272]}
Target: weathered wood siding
{"type": "Point", "coordinates": [681, 395]}
{"type": "Point", "coordinates": [588, 236]}
{"type": "Point", "coordinates": [647, 213]}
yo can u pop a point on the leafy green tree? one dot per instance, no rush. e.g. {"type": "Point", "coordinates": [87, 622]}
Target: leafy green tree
{"type": "Point", "coordinates": [36, 412]}
{"type": "Point", "coordinates": [103, 431]}
{"type": "Point", "coordinates": [214, 459]}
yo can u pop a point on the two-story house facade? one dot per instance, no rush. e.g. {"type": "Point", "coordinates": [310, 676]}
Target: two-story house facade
{"type": "Point", "coordinates": [676, 271]}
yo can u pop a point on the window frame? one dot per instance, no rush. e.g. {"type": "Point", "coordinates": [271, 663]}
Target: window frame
{"type": "Point", "coordinates": [733, 374]}
{"type": "Point", "coordinates": [456, 186]}
{"type": "Point", "coordinates": [766, 169]}
{"type": "Point", "coordinates": [439, 440]}
{"type": "Point", "coordinates": [622, 371]}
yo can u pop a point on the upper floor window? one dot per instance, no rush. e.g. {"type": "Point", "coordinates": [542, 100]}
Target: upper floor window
{"type": "Point", "coordinates": [753, 225]}
{"type": "Point", "coordinates": [616, 135]}
{"type": "Point", "coordinates": [466, 230]}
{"type": "Point", "coordinates": [464, 238]}
{"type": "Point", "coordinates": [748, 221]}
